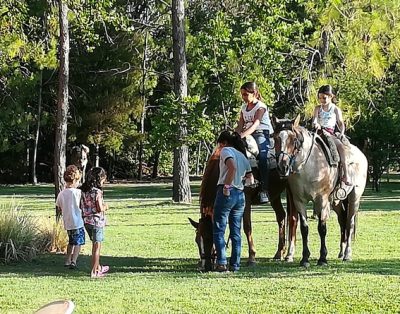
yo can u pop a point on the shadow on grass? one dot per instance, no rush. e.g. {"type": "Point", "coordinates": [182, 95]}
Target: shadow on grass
{"type": "Point", "coordinates": [52, 265]}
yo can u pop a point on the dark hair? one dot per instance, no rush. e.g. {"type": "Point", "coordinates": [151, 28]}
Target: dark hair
{"type": "Point", "coordinates": [93, 179]}
{"type": "Point", "coordinates": [251, 87]}
{"type": "Point", "coordinates": [232, 139]}
{"type": "Point", "coordinates": [327, 90]}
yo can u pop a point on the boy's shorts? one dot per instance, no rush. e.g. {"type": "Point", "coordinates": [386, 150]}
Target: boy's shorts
{"type": "Point", "coordinates": [76, 236]}
{"type": "Point", "coordinates": [96, 234]}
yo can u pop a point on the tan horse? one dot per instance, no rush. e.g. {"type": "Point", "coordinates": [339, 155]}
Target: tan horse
{"type": "Point", "coordinates": [301, 158]}
{"type": "Point", "coordinates": [204, 233]}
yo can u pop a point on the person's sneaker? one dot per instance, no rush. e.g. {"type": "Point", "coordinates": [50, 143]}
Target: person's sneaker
{"type": "Point", "coordinates": [221, 269]}
{"type": "Point", "coordinates": [73, 265]}
{"type": "Point", "coordinates": [264, 197]}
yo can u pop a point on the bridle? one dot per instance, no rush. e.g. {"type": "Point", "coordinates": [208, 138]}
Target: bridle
{"type": "Point", "coordinates": [298, 145]}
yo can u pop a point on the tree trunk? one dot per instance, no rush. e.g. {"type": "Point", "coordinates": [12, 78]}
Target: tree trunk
{"type": "Point", "coordinates": [62, 107]}
{"type": "Point", "coordinates": [144, 100]}
{"type": "Point", "coordinates": [181, 184]}
{"type": "Point", "coordinates": [154, 174]}
{"type": "Point", "coordinates": [36, 143]}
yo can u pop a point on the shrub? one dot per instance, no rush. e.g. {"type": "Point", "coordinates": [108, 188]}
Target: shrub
{"type": "Point", "coordinates": [53, 237]}
{"type": "Point", "coordinates": [22, 237]}
{"type": "Point", "coordinates": [18, 234]}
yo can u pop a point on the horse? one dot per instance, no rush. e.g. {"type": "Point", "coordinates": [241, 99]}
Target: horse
{"type": "Point", "coordinates": [302, 160]}
{"type": "Point", "coordinates": [208, 190]}
{"type": "Point", "coordinates": [79, 158]}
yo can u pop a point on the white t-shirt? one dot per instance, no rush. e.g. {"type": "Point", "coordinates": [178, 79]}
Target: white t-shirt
{"type": "Point", "coordinates": [242, 166]}
{"type": "Point", "coordinates": [248, 117]}
{"type": "Point", "coordinates": [68, 200]}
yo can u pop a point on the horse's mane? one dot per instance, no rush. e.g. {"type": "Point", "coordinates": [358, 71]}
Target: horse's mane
{"type": "Point", "coordinates": [208, 189]}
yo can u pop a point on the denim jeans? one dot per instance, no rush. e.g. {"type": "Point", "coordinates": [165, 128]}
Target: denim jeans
{"type": "Point", "coordinates": [228, 209]}
{"type": "Point", "coordinates": [262, 139]}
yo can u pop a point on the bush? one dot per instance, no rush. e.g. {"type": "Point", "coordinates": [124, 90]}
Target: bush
{"type": "Point", "coordinates": [53, 238]}
{"type": "Point", "coordinates": [22, 237]}
{"type": "Point", "coordinates": [18, 234]}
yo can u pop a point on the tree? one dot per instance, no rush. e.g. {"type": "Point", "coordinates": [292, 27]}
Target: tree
{"type": "Point", "coordinates": [62, 106]}
{"type": "Point", "coordinates": [181, 184]}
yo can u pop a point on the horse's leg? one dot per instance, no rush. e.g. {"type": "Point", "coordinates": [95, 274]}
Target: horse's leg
{"type": "Point", "coordinates": [304, 234]}
{"type": "Point", "coordinates": [341, 210]}
{"type": "Point", "coordinates": [249, 232]}
{"type": "Point", "coordinates": [322, 229]}
{"type": "Point", "coordinates": [353, 206]}
{"type": "Point", "coordinates": [276, 204]}
{"type": "Point", "coordinates": [292, 224]}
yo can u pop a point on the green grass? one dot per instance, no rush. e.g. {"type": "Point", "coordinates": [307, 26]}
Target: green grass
{"type": "Point", "coordinates": [150, 247]}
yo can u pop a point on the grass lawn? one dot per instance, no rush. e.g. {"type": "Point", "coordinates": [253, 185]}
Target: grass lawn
{"type": "Point", "coordinates": [149, 245]}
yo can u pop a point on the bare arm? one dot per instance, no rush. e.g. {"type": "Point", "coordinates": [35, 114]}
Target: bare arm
{"type": "Point", "coordinates": [257, 120]}
{"type": "Point", "coordinates": [315, 123]}
{"type": "Point", "coordinates": [240, 124]}
{"type": "Point", "coordinates": [339, 121]}
{"type": "Point", "coordinates": [101, 206]}
{"type": "Point", "coordinates": [230, 164]}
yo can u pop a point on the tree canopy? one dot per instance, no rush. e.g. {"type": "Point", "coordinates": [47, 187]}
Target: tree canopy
{"type": "Point", "coordinates": [122, 98]}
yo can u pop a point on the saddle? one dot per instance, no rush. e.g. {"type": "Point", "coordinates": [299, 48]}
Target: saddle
{"type": "Point", "coordinates": [252, 152]}
{"type": "Point", "coordinates": [327, 143]}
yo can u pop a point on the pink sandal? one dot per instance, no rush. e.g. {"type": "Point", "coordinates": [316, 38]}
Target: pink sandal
{"type": "Point", "coordinates": [97, 275]}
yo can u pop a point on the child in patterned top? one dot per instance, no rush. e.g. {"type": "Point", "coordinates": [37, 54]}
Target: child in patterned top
{"type": "Point", "coordinates": [93, 209]}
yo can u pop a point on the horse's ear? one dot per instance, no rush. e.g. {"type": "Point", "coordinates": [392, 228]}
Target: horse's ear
{"type": "Point", "coordinates": [296, 122]}
{"type": "Point", "coordinates": [85, 148]}
{"type": "Point", "coordinates": [193, 223]}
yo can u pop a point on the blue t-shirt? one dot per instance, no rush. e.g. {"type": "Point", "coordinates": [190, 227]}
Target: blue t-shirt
{"type": "Point", "coordinates": [242, 166]}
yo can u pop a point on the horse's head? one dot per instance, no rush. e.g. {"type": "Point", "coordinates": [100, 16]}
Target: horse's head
{"type": "Point", "coordinates": [204, 241]}
{"type": "Point", "coordinates": [287, 144]}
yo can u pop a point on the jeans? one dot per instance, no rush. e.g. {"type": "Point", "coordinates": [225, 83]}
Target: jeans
{"type": "Point", "coordinates": [228, 208]}
{"type": "Point", "coordinates": [262, 139]}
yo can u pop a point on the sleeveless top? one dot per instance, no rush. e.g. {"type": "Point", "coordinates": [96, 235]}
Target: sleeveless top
{"type": "Point", "coordinates": [327, 119]}
{"type": "Point", "coordinates": [248, 117]}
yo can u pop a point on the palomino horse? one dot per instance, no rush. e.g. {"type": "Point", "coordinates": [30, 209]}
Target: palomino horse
{"type": "Point", "coordinates": [208, 190]}
{"type": "Point", "coordinates": [301, 158]}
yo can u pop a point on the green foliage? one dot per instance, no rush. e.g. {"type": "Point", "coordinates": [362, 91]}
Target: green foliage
{"type": "Point", "coordinates": [167, 121]}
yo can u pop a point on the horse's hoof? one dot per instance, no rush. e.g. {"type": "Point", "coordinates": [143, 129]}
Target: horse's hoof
{"type": "Point", "coordinates": [277, 258]}
{"type": "Point", "coordinates": [322, 263]}
{"type": "Point", "coordinates": [305, 264]}
{"type": "Point", "coordinates": [340, 256]}
{"type": "Point", "coordinates": [251, 263]}
{"type": "Point", "coordinates": [347, 259]}
{"type": "Point", "coordinates": [289, 259]}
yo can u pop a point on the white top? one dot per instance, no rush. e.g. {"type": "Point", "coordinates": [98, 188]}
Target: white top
{"type": "Point", "coordinates": [327, 119]}
{"type": "Point", "coordinates": [68, 200]}
{"type": "Point", "coordinates": [242, 166]}
{"type": "Point", "coordinates": [248, 117]}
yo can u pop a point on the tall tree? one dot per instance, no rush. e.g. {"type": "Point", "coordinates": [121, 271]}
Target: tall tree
{"type": "Point", "coordinates": [181, 185]}
{"type": "Point", "coordinates": [62, 107]}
